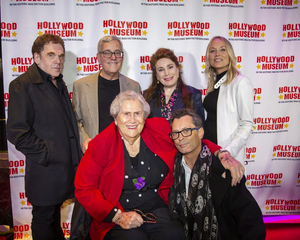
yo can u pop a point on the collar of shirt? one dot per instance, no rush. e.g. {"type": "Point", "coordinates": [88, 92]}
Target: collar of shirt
{"type": "Point", "coordinates": [188, 172]}
{"type": "Point", "coordinates": [47, 77]}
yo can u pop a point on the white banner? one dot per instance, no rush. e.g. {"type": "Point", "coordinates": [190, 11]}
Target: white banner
{"type": "Point", "coordinates": [265, 35]}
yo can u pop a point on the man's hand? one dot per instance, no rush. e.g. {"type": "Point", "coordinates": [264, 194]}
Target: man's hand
{"type": "Point", "coordinates": [85, 144]}
{"type": "Point", "coordinates": [236, 169]}
{"type": "Point", "coordinates": [128, 220]}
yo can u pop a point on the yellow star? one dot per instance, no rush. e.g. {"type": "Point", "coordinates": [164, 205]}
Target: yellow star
{"type": "Point", "coordinates": [79, 0]}
{"type": "Point", "coordinates": [241, 1]}
{"type": "Point", "coordinates": [254, 127]}
{"type": "Point", "coordinates": [181, 0]}
{"type": "Point", "coordinates": [239, 66]}
{"type": "Point", "coordinates": [145, 33]}
{"type": "Point", "coordinates": [280, 96]}
{"type": "Point", "coordinates": [253, 156]}
{"type": "Point", "coordinates": [180, 66]}
{"type": "Point", "coordinates": [105, 31]}
{"type": "Point", "coordinates": [230, 34]}
{"type": "Point", "coordinates": [258, 66]}
{"type": "Point", "coordinates": [206, 33]}
{"type": "Point", "coordinates": [79, 68]}
{"type": "Point", "coordinates": [263, 34]}
{"type": "Point", "coordinates": [40, 33]}
{"type": "Point", "coordinates": [26, 235]}
{"type": "Point", "coordinates": [296, 2]}
{"type": "Point", "coordinates": [286, 125]}
{"type": "Point", "coordinates": [23, 202]}
{"type": "Point", "coordinates": [284, 35]}
{"type": "Point", "coordinates": [143, 67]}
{"type": "Point", "coordinates": [279, 181]}
{"type": "Point", "coordinates": [248, 183]}
{"type": "Point", "coordinates": [203, 66]}
{"type": "Point", "coordinates": [263, 2]}
{"type": "Point", "coordinates": [298, 181]}
{"type": "Point", "coordinates": [80, 33]}
{"type": "Point", "coordinates": [205, 0]}
{"type": "Point", "coordinates": [274, 154]}
{"type": "Point", "coordinates": [170, 33]}
{"type": "Point", "coordinates": [267, 207]}
{"type": "Point", "coordinates": [291, 65]}
{"type": "Point", "coordinates": [14, 34]}
{"type": "Point", "coordinates": [258, 97]}
{"type": "Point", "coordinates": [14, 69]}
{"type": "Point", "coordinates": [21, 170]}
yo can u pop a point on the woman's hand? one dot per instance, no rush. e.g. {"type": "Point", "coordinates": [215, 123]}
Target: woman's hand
{"type": "Point", "coordinates": [236, 169]}
{"type": "Point", "coordinates": [128, 220]}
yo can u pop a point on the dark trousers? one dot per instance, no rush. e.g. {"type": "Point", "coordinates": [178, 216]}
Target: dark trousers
{"type": "Point", "coordinates": [165, 228]}
{"type": "Point", "coordinates": [45, 223]}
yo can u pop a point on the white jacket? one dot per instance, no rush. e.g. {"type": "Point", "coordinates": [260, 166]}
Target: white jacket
{"type": "Point", "coordinates": [235, 116]}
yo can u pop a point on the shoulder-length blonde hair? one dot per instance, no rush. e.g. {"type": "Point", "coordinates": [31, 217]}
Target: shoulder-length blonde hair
{"type": "Point", "coordinates": [232, 71]}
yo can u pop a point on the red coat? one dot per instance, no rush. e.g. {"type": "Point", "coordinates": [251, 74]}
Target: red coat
{"type": "Point", "coordinates": [100, 175]}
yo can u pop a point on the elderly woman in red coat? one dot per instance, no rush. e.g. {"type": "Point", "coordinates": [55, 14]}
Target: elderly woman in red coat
{"type": "Point", "coordinates": [125, 176]}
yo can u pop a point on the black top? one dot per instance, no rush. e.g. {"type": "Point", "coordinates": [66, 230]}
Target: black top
{"type": "Point", "coordinates": [150, 166]}
{"type": "Point", "coordinates": [59, 90]}
{"type": "Point", "coordinates": [107, 91]}
{"type": "Point", "coordinates": [210, 105]}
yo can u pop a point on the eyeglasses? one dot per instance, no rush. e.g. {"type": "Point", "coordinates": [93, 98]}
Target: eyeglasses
{"type": "Point", "coordinates": [108, 54]}
{"type": "Point", "coordinates": [184, 132]}
{"type": "Point", "coordinates": [147, 217]}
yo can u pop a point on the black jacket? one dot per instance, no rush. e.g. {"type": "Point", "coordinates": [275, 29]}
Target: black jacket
{"type": "Point", "coordinates": [45, 131]}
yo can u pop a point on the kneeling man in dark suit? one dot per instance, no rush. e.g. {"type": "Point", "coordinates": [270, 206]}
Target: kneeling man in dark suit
{"type": "Point", "coordinates": [202, 196]}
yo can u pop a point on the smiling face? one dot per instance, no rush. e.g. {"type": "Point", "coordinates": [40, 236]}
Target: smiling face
{"type": "Point", "coordinates": [51, 59]}
{"type": "Point", "coordinates": [167, 72]}
{"type": "Point", "coordinates": [130, 120]}
{"type": "Point", "coordinates": [110, 66]}
{"type": "Point", "coordinates": [188, 146]}
{"type": "Point", "coordinates": [218, 56]}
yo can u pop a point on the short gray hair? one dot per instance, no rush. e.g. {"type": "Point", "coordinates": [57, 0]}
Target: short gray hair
{"type": "Point", "coordinates": [116, 105]}
{"type": "Point", "coordinates": [107, 39]}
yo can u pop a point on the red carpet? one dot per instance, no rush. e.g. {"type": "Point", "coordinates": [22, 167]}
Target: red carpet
{"type": "Point", "coordinates": [282, 227]}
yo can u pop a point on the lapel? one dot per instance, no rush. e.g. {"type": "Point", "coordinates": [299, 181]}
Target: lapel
{"type": "Point", "coordinates": [124, 83]}
{"type": "Point", "coordinates": [179, 103]}
{"type": "Point", "coordinates": [37, 79]}
{"type": "Point", "coordinates": [91, 90]}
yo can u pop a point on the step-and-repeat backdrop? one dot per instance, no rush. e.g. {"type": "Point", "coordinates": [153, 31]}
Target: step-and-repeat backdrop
{"type": "Point", "coordinates": [265, 35]}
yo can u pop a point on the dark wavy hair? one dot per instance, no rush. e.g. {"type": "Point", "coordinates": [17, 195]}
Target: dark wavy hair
{"type": "Point", "coordinates": [41, 41]}
{"type": "Point", "coordinates": [151, 92]}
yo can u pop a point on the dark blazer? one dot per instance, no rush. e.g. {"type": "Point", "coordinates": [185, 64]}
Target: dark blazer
{"type": "Point", "coordinates": [239, 216]}
{"type": "Point", "coordinates": [46, 133]}
{"type": "Point", "coordinates": [197, 101]}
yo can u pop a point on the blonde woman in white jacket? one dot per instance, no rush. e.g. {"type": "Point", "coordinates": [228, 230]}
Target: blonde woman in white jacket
{"type": "Point", "coordinates": [229, 101]}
